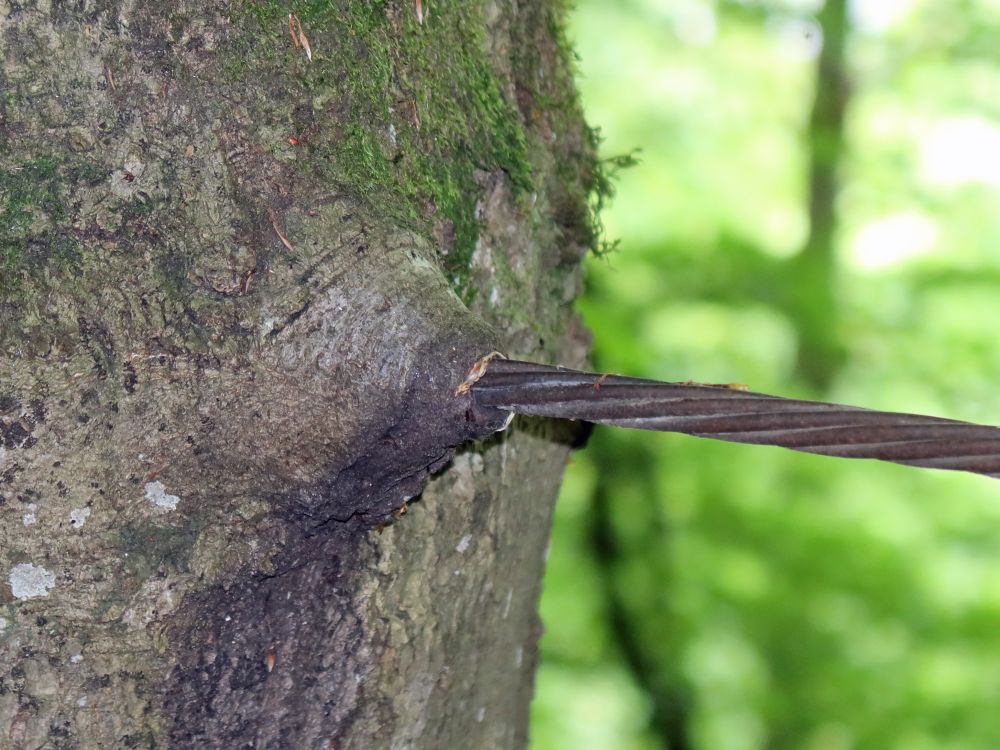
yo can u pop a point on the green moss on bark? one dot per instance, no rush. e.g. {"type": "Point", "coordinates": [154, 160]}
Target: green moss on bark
{"type": "Point", "coordinates": [150, 547]}
{"type": "Point", "coordinates": [408, 128]}
{"type": "Point", "coordinates": [32, 217]}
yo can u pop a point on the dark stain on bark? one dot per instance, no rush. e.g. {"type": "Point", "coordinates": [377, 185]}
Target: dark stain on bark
{"type": "Point", "coordinates": [289, 643]}
{"type": "Point", "coordinates": [423, 439]}
{"type": "Point", "coordinates": [274, 646]}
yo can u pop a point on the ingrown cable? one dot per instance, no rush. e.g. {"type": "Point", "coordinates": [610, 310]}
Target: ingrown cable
{"type": "Point", "coordinates": [732, 413]}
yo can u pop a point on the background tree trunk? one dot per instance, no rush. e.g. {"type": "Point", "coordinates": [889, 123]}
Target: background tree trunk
{"type": "Point", "coordinates": [245, 259]}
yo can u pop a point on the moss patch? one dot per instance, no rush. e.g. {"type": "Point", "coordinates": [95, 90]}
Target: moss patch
{"type": "Point", "coordinates": [602, 191]}
{"type": "Point", "coordinates": [150, 547]}
{"type": "Point", "coordinates": [32, 210]}
{"type": "Point", "coordinates": [397, 113]}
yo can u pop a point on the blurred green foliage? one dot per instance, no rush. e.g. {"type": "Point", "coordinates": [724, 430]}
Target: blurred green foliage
{"type": "Point", "coordinates": [725, 597]}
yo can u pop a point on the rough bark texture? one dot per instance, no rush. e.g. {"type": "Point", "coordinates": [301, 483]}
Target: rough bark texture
{"type": "Point", "coordinates": [238, 288]}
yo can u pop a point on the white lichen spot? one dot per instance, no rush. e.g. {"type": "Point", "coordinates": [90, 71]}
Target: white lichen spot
{"type": "Point", "coordinates": [76, 658]}
{"type": "Point", "coordinates": [463, 543]}
{"type": "Point", "coordinates": [4, 622]}
{"type": "Point", "coordinates": [481, 714]}
{"type": "Point", "coordinates": [3, 455]}
{"type": "Point", "coordinates": [506, 604]}
{"type": "Point", "coordinates": [28, 581]}
{"type": "Point", "coordinates": [519, 656]}
{"type": "Point", "coordinates": [81, 701]}
{"type": "Point", "coordinates": [392, 134]}
{"type": "Point", "coordinates": [78, 517]}
{"type": "Point", "coordinates": [29, 517]}
{"type": "Point", "coordinates": [157, 494]}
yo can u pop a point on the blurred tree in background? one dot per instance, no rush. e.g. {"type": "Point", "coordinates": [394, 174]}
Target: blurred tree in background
{"type": "Point", "coordinates": [815, 214]}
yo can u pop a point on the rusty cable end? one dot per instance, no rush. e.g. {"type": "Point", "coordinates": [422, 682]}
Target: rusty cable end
{"type": "Point", "coordinates": [477, 371]}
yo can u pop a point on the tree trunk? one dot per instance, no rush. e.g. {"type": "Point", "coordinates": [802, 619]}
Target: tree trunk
{"type": "Point", "coordinates": [245, 259]}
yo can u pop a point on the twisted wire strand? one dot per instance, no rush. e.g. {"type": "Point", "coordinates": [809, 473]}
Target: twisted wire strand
{"type": "Point", "coordinates": [731, 413]}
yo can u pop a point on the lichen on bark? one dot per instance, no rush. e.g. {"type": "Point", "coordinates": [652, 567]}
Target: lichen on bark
{"type": "Point", "coordinates": [231, 289]}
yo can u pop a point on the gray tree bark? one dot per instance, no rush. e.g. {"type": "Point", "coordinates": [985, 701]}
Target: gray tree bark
{"type": "Point", "coordinates": [245, 259]}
